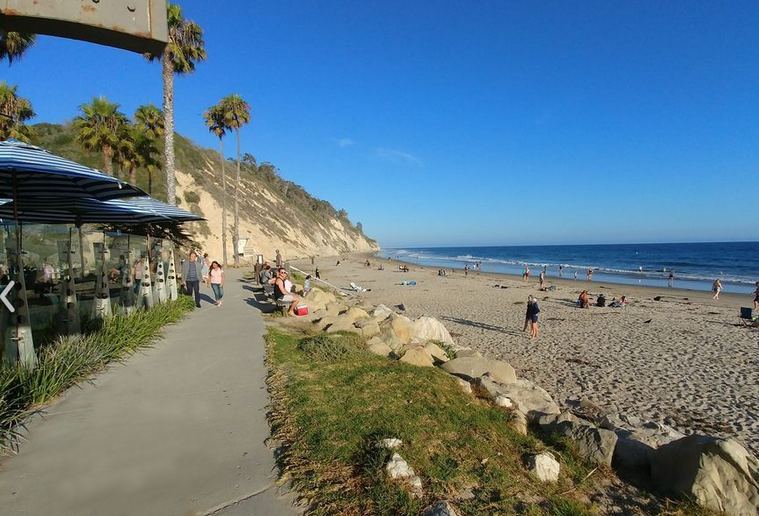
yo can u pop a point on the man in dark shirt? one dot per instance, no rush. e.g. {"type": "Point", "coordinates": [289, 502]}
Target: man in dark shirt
{"type": "Point", "coordinates": [191, 271]}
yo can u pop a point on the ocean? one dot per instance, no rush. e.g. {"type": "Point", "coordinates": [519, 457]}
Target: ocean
{"type": "Point", "coordinates": [694, 265]}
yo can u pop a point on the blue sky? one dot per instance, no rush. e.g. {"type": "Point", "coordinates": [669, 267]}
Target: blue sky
{"type": "Point", "coordinates": [491, 123]}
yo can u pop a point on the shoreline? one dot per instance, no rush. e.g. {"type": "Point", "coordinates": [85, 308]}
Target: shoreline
{"type": "Point", "coordinates": [687, 363]}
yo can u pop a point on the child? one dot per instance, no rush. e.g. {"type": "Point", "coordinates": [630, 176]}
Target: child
{"type": "Point", "coordinates": [307, 286]}
{"type": "Point", "coordinates": [531, 317]}
{"type": "Point", "coordinates": [216, 276]}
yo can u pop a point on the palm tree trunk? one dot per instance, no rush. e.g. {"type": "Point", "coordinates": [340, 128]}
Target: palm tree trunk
{"type": "Point", "coordinates": [223, 205]}
{"type": "Point", "coordinates": [150, 182]}
{"type": "Point", "coordinates": [168, 113]}
{"type": "Point", "coordinates": [236, 237]}
{"type": "Point", "coordinates": [133, 175]}
{"type": "Point", "coordinates": [108, 159]}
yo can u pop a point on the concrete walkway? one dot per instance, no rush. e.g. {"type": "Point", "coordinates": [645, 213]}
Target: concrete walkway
{"type": "Point", "coordinates": [178, 429]}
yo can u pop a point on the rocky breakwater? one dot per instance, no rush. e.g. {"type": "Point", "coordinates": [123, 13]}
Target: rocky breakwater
{"type": "Point", "coordinates": [719, 474]}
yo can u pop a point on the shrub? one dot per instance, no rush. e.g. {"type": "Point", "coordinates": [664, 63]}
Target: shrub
{"type": "Point", "coordinates": [326, 348]}
{"type": "Point", "coordinates": [191, 197]}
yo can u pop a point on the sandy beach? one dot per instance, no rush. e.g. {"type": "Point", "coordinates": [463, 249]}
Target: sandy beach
{"type": "Point", "coordinates": [684, 360]}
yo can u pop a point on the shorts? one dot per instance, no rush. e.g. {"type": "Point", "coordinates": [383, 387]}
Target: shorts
{"type": "Point", "coordinates": [287, 298]}
{"type": "Point", "coordinates": [533, 318]}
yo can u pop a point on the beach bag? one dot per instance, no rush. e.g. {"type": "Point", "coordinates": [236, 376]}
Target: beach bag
{"type": "Point", "coordinates": [301, 310]}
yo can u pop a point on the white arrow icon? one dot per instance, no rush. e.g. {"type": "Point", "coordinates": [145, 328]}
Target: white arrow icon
{"type": "Point", "coordinates": [4, 299]}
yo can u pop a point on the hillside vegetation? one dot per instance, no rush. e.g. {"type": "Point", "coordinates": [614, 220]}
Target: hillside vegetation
{"type": "Point", "coordinates": [274, 213]}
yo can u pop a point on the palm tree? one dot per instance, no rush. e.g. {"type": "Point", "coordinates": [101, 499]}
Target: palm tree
{"type": "Point", "coordinates": [126, 152]}
{"type": "Point", "coordinates": [14, 111]}
{"type": "Point", "coordinates": [217, 124]}
{"type": "Point", "coordinates": [14, 44]}
{"type": "Point", "coordinates": [236, 114]}
{"type": "Point", "coordinates": [184, 49]}
{"type": "Point", "coordinates": [149, 119]}
{"type": "Point", "coordinates": [100, 127]}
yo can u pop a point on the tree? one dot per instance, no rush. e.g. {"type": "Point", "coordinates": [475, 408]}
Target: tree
{"type": "Point", "coordinates": [14, 44]}
{"type": "Point", "coordinates": [236, 114]}
{"type": "Point", "coordinates": [150, 122]}
{"type": "Point", "coordinates": [183, 51]}
{"type": "Point", "coordinates": [216, 123]}
{"type": "Point", "coordinates": [100, 127]}
{"type": "Point", "coordinates": [126, 152]}
{"type": "Point", "coordinates": [249, 159]}
{"type": "Point", "coordinates": [14, 111]}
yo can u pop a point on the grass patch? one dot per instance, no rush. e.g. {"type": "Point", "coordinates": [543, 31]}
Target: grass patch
{"type": "Point", "coordinates": [332, 401]}
{"type": "Point", "coordinates": [71, 359]}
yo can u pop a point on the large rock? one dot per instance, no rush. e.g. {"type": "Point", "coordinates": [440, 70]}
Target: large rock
{"type": "Point", "coordinates": [519, 423]}
{"type": "Point", "coordinates": [470, 368]}
{"type": "Point", "coordinates": [402, 327]}
{"type": "Point", "coordinates": [417, 356]}
{"type": "Point", "coordinates": [398, 469]}
{"type": "Point", "coordinates": [343, 324]}
{"type": "Point", "coordinates": [637, 442]}
{"type": "Point", "coordinates": [592, 443]}
{"type": "Point", "coordinates": [378, 347]}
{"type": "Point", "coordinates": [335, 308]}
{"type": "Point", "coordinates": [544, 467]}
{"type": "Point", "coordinates": [318, 299]}
{"type": "Point", "coordinates": [719, 474]}
{"type": "Point", "coordinates": [467, 352]}
{"type": "Point", "coordinates": [381, 312]}
{"type": "Point", "coordinates": [388, 337]}
{"type": "Point", "coordinates": [354, 314]}
{"type": "Point", "coordinates": [527, 397]}
{"type": "Point", "coordinates": [429, 328]}
{"type": "Point", "coordinates": [436, 352]}
{"type": "Point", "coordinates": [369, 327]}
{"type": "Point", "coordinates": [324, 322]}
{"type": "Point", "coordinates": [441, 508]}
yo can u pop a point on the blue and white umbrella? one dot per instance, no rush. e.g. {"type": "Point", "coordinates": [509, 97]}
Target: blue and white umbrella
{"type": "Point", "coordinates": [29, 173]}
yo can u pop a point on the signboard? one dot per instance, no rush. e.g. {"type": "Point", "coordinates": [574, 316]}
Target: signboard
{"type": "Point", "coordinates": [136, 25]}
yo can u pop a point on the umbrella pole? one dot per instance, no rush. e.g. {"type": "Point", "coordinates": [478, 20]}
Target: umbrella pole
{"type": "Point", "coordinates": [24, 339]}
{"type": "Point", "coordinates": [81, 251]}
{"type": "Point", "coordinates": [73, 323]}
{"type": "Point", "coordinates": [127, 299]}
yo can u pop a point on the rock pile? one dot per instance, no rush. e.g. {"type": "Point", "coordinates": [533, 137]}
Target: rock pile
{"type": "Point", "coordinates": [719, 474]}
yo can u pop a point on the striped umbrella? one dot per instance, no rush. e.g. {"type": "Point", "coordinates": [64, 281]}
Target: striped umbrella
{"type": "Point", "coordinates": [29, 173]}
{"type": "Point", "coordinates": [138, 210]}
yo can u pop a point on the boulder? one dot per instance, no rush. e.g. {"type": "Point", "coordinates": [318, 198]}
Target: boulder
{"type": "Point", "coordinates": [592, 443]}
{"type": "Point", "coordinates": [719, 474]}
{"type": "Point", "coordinates": [334, 308]}
{"type": "Point", "coordinates": [378, 347]}
{"type": "Point", "coordinates": [429, 328]}
{"type": "Point", "coordinates": [470, 368]}
{"type": "Point", "coordinates": [398, 469]}
{"type": "Point", "coordinates": [544, 467]}
{"type": "Point", "coordinates": [637, 441]}
{"type": "Point", "coordinates": [324, 322]}
{"type": "Point", "coordinates": [527, 397]}
{"type": "Point", "coordinates": [503, 402]}
{"type": "Point", "coordinates": [369, 327]}
{"type": "Point", "coordinates": [441, 508]}
{"type": "Point", "coordinates": [342, 324]}
{"type": "Point", "coordinates": [318, 299]}
{"type": "Point", "coordinates": [467, 352]}
{"type": "Point", "coordinates": [381, 312]}
{"type": "Point", "coordinates": [436, 352]}
{"type": "Point", "coordinates": [402, 327]}
{"type": "Point", "coordinates": [388, 337]}
{"type": "Point", "coordinates": [417, 356]}
{"type": "Point", "coordinates": [465, 386]}
{"type": "Point", "coordinates": [519, 423]}
{"type": "Point", "coordinates": [354, 314]}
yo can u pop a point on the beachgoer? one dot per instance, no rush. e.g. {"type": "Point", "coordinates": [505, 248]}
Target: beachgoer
{"type": "Point", "coordinates": [545, 268]}
{"type": "Point", "coordinates": [756, 297]}
{"type": "Point", "coordinates": [205, 268]}
{"type": "Point", "coordinates": [526, 272]}
{"type": "Point", "coordinates": [307, 285]}
{"type": "Point", "coordinates": [191, 271]}
{"type": "Point", "coordinates": [278, 259]}
{"type": "Point", "coordinates": [216, 277]}
{"type": "Point", "coordinates": [561, 270]}
{"type": "Point", "coordinates": [466, 270]}
{"type": "Point", "coordinates": [618, 303]}
{"type": "Point", "coordinates": [589, 274]}
{"type": "Point", "coordinates": [716, 288]}
{"type": "Point", "coordinates": [542, 278]}
{"type": "Point", "coordinates": [531, 317]}
{"type": "Point", "coordinates": [671, 279]}
{"type": "Point", "coordinates": [584, 300]}
{"type": "Point", "coordinates": [316, 273]}
{"type": "Point", "coordinates": [601, 300]}
{"type": "Point", "coordinates": [575, 274]}
{"type": "Point", "coordinates": [265, 274]}
{"type": "Point", "coordinates": [137, 271]}
{"type": "Point", "coordinates": [282, 293]}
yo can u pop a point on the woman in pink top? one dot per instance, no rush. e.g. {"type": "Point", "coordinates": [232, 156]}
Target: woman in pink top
{"type": "Point", "coordinates": [216, 275]}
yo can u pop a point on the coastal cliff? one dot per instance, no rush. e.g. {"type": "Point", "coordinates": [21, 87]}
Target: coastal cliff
{"type": "Point", "coordinates": [274, 213]}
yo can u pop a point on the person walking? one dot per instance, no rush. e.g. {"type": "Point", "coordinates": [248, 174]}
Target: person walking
{"type": "Point", "coordinates": [542, 278]}
{"type": "Point", "coordinates": [205, 268]}
{"type": "Point", "coordinates": [278, 260]}
{"type": "Point", "coordinates": [756, 297]}
{"type": "Point", "coordinates": [137, 271]}
{"type": "Point", "coordinates": [216, 277]}
{"type": "Point", "coordinates": [531, 317]}
{"type": "Point", "coordinates": [589, 274]}
{"type": "Point", "coordinates": [671, 279]}
{"type": "Point", "coordinates": [716, 288]}
{"type": "Point", "coordinates": [191, 273]}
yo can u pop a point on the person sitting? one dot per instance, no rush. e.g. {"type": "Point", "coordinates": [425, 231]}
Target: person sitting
{"type": "Point", "coordinates": [281, 292]}
{"type": "Point", "coordinates": [601, 301]}
{"type": "Point", "coordinates": [618, 303]}
{"type": "Point", "coordinates": [584, 300]}
{"type": "Point", "coordinates": [265, 274]}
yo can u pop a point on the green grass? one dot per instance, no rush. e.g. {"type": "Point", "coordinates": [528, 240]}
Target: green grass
{"type": "Point", "coordinates": [332, 401]}
{"type": "Point", "coordinates": [69, 360]}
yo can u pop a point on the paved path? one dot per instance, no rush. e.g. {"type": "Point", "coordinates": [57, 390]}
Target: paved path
{"type": "Point", "coordinates": [178, 429]}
